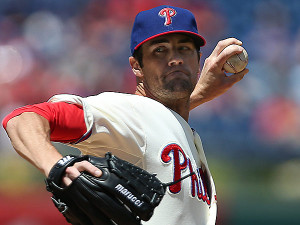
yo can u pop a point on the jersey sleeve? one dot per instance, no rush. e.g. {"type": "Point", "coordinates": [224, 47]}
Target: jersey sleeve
{"type": "Point", "coordinates": [66, 120]}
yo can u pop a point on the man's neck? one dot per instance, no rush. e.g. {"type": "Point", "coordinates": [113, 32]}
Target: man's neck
{"type": "Point", "coordinates": [180, 106]}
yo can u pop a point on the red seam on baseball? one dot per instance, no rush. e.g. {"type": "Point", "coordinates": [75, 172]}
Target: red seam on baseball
{"type": "Point", "coordinates": [229, 64]}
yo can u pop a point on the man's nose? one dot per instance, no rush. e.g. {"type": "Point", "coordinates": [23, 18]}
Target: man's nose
{"type": "Point", "coordinates": [175, 59]}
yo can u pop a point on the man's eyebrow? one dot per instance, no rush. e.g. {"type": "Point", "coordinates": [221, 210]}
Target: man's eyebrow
{"type": "Point", "coordinates": [159, 41]}
{"type": "Point", "coordinates": [186, 40]}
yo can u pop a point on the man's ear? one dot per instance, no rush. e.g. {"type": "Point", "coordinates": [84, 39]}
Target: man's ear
{"type": "Point", "coordinates": [135, 66]}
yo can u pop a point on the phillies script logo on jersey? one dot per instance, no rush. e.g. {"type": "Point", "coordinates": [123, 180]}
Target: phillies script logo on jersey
{"type": "Point", "coordinates": [167, 13]}
{"type": "Point", "coordinates": [200, 181]}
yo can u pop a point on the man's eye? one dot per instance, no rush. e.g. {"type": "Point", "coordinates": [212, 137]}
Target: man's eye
{"type": "Point", "coordinates": [185, 48]}
{"type": "Point", "coordinates": [159, 49]}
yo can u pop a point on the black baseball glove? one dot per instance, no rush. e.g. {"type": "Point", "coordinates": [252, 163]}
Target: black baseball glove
{"type": "Point", "coordinates": [125, 194]}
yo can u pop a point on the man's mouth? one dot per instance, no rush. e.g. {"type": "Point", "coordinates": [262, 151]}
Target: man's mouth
{"type": "Point", "coordinates": [176, 73]}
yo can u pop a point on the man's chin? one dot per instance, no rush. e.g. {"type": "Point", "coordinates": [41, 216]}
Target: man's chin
{"type": "Point", "coordinates": [180, 87]}
{"type": "Point", "coordinates": [178, 93]}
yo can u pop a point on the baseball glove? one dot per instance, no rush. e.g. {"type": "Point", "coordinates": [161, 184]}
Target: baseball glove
{"type": "Point", "coordinates": [125, 194]}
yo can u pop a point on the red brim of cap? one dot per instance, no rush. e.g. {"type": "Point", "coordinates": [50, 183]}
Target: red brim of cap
{"type": "Point", "coordinates": [197, 37]}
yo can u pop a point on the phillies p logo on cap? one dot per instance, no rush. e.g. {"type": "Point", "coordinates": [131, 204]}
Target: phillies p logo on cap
{"type": "Point", "coordinates": [163, 20]}
{"type": "Point", "coordinates": [167, 13]}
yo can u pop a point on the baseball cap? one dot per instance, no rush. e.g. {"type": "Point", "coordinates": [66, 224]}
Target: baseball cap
{"type": "Point", "coordinates": [162, 20]}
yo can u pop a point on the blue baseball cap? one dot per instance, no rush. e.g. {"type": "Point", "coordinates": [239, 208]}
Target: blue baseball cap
{"type": "Point", "coordinates": [163, 20]}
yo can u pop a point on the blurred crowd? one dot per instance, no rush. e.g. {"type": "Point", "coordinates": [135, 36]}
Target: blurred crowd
{"type": "Point", "coordinates": [82, 47]}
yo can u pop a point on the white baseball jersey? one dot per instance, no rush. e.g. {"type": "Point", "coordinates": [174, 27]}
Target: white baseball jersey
{"type": "Point", "coordinates": [148, 134]}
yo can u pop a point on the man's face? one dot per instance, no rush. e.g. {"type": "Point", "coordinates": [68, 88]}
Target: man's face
{"type": "Point", "coordinates": [170, 66]}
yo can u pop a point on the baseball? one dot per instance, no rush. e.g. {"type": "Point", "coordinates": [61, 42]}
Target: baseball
{"type": "Point", "coordinates": [236, 63]}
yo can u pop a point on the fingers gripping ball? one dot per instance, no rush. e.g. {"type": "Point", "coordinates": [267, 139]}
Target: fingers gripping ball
{"type": "Point", "coordinates": [237, 62]}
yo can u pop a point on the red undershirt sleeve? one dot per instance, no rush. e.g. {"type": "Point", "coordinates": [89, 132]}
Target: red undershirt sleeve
{"type": "Point", "coordinates": [66, 120]}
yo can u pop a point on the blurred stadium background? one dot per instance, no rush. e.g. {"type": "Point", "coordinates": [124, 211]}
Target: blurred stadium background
{"type": "Point", "coordinates": [250, 134]}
